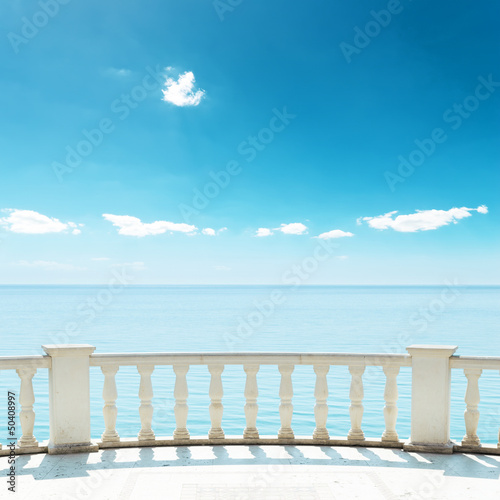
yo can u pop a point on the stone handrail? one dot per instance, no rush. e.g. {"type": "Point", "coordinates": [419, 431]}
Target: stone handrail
{"type": "Point", "coordinates": [18, 362]}
{"type": "Point", "coordinates": [483, 362]}
{"type": "Point", "coordinates": [69, 397]}
{"type": "Point", "coordinates": [264, 358]}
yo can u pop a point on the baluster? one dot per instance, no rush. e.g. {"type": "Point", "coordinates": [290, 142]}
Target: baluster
{"type": "Point", "coordinates": [286, 407]}
{"type": "Point", "coordinates": [390, 397]}
{"type": "Point", "coordinates": [26, 400]}
{"type": "Point", "coordinates": [110, 412]}
{"type": "Point", "coordinates": [356, 409]}
{"type": "Point", "coordinates": [471, 414]}
{"type": "Point", "coordinates": [216, 409]}
{"type": "Point", "coordinates": [181, 408]}
{"type": "Point", "coordinates": [251, 406]}
{"type": "Point", "coordinates": [321, 407]}
{"type": "Point", "coordinates": [146, 408]}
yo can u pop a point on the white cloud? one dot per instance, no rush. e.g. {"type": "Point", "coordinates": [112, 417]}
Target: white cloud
{"type": "Point", "coordinates": [263, 231]}
{"type": "Point", "coordinates": [49, 265]}
{"type": "Point", "coordinates": [118, 72]}
{"type": "Point", "coordinates": [334, 233]}
{"type": "Point", "coordinates": [342, 257]}
{"type": "Point", "coordinates": [222, 268]}
{"type": "Point", "coordinates": [75, 230]}
{"type": "Point", "coordinates": [181, 92]}
{"type": "Point", "coordinates": [421, 220]}
{"type": "Point", "coordinates": [132, 226]}
{"type": "Point", "coordinates": [31, 222]}
{"type": "Point", "coordinates": [293, 228]}
{"type": "Point", "coordinates": [208, 231]}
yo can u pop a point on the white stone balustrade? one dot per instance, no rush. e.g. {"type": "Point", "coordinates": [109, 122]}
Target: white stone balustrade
{"type": "Point", "coordinates": [356, 395]}
{"type": "Point", "coordinates": [146, 408]}
{"type": "Point", "coordinates": [69, 397]}
{"type": "Point", "coordinates": [26, 400]}
{"type": "Point", "coordinates": [251, 406]}
{"type": "Point", "coordinates": [391, 398]}
{"type": "Point", "coordinates": [471, 414]}
{"type": "Point", "coordinates": [321, 407]}
{"type": "Point", "coordinates": [216, 409]}
{"type": "Point", "coordinates": [286, 407]}
{"type": "Point", "coordinates": [181, 408]}
{"type": "Point", "coordinates": [110, 412]}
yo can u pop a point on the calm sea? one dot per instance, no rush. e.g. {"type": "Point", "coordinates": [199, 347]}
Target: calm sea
{"type": "Point", "coordinates": [245, 318]}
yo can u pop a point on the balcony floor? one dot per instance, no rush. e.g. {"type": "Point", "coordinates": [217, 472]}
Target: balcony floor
{"type": "Point", "coordinates": [254, 472]}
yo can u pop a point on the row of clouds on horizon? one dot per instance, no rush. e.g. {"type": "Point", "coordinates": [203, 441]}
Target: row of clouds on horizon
{"type": "Point", "coordinates": [31, 222]}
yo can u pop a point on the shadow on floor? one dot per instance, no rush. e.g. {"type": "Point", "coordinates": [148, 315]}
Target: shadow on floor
{"type": "Point", "coordinates": [42, 467]}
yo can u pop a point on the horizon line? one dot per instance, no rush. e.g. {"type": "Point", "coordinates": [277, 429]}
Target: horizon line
{"type": "Point", "coordinates": [262, 284]}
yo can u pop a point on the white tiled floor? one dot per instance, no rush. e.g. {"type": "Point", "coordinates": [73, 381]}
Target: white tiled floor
{"type": "Point", "coordinates": [254, 472]}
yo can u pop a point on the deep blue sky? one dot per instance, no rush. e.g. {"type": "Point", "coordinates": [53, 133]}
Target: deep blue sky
{"type": "Point", "coordinates": [327, 168]}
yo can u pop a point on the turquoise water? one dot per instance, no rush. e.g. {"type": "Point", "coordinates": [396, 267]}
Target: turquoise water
{"type": "Point", "coordinates": [209, 318]}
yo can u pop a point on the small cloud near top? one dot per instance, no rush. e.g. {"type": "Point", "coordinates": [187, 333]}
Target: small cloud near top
{"type": "Point", "coordinates": [181, 92]}
{"type": "Point", "coordinates": [31, 222]}
{"type": "Point", "coordinates": [118, 72]}
{"type": "Point", "coordinates": [421, 220]}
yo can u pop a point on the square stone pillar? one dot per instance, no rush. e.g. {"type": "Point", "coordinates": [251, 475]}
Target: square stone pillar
{"type": "Point", "coordinates": [430, 398]}
{"type": "Point", "coordinates": [69, 399]}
